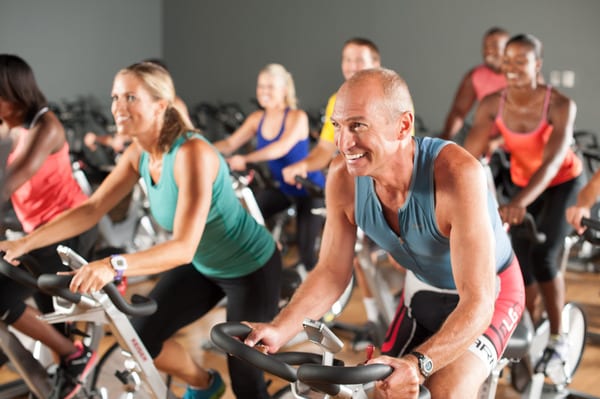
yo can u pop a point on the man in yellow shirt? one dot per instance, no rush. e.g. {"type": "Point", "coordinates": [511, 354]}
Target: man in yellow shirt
{"type": "Point", "coordinates": [357, 54]}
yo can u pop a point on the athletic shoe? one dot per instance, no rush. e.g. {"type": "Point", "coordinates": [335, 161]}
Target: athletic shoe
{"type": "Point", "coordinates": [215, 390]}
{"type": "Point", "coordinates": [73, 370]}
{"type": "Point", "coordinates": [553, 361]}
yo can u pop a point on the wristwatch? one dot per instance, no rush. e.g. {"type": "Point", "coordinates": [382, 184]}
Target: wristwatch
{"type": "Point", "coordinates": [425, 363]}
{"type": "Point", "coordinates": [119, 265]}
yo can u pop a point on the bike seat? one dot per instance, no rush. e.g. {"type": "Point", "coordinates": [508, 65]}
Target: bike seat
{"type": "Point", "coordinates": [520, 340]}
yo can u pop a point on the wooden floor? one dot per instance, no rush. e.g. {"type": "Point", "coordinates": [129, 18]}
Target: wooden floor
{"type": "Point", "coordinates": [583, 288]}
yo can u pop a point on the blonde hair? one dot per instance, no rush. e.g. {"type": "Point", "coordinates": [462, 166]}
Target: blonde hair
{"type": "Point", "coordinates": [279, 71]}
{"type": "Point", "coordinates": [159, 84]}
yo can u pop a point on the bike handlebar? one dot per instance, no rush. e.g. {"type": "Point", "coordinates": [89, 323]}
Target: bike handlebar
{"type": "Point", "coordinates": [310, 186]}
{"type": "Point", "coordinates": [18, 274]}
{"type": "Point", "coordinates": [323, 378]}
{"type": "Point", "coordinates": [530, 228]}
{"type": "Point", "coordinates": [58, 285]}
{"type": "Point", "coordinates": [593, 225]}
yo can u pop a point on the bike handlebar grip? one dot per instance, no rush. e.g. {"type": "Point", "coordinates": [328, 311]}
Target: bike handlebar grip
{"type": "Point", "coordinates": [298, 358]}
{"type": "Point", "coordinates": [593, 226]}
{"type": "Point", "coordinates": [17, 274]}
{"type": "Point", "coordinates": [309, 185]}
{"type": "Point", "coordinates": [223, 335]}
{"type": "Point", "coordinates": [316, 373]}
{"type": "Point", "coordinates": [329, 378]}
{"type": "Point", "coordinates": [57, 285]}
{"type": "Point", "coordinates": [591, 223]}
{"type": "Point", "coordinates": [532, 231]}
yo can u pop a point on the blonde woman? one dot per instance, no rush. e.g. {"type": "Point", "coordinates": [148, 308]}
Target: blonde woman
{"type": "Point", "coordinates": [217, 249]}
{"type": "Point", "coordinates": [281, 130]}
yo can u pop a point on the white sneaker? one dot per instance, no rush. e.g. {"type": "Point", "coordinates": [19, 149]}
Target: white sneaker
{"type": "Point", "coordinates": [553, 361]}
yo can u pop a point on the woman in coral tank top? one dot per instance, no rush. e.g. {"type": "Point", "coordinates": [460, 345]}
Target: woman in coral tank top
{"type": "Point", "coordinates": [536, 122]}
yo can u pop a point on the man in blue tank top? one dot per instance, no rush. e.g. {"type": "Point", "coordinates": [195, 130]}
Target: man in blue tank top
{"type": "Point", "coordinates": [426, 202]}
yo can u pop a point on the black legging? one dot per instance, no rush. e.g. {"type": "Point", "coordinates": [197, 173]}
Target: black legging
{"type": "Point", "coordinates": [184, 295]}
{"type": "Point", "coordinates": [308, 225]}
{"type": "Point", "coordinates": [541, 262]}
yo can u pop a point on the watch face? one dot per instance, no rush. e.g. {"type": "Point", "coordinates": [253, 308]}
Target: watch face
{"type": "Point", "coordinates": [427, 365]}
{"type": "Point", "coordinates": [118, 263]}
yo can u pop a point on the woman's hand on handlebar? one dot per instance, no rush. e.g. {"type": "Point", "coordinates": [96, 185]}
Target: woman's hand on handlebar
{"type": "Point", "coordinates": [290, 172]}
{"type": "Point", "coordinates": [91, 277]}
{"type": "Point", "coordinates": [237, 162]}
{"type": "Point", "coordinates": [512, 214]}
{"type": "Point", "coordinates": [402, 383]}
{"type": "Point", "coordinates": [574, 215]}
{"type": "Point", "coordinates": [12, 249]}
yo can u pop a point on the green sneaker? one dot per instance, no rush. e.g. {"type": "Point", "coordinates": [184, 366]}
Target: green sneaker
{"type": "Point", "coordinates": [215, 390]}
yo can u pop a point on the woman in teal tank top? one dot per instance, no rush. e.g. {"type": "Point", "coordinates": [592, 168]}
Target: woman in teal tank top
{"type": "Point", "coordinates": [216, 250]}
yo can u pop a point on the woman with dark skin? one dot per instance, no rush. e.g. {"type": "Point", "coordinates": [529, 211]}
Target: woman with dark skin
{"type": "Point", "coordinates": [39, 182]}
{"type": "Point", "coordinates": [536, 122]}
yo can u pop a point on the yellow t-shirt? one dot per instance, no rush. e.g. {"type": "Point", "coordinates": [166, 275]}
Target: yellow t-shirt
{"type": "Point", "coordinates": [327, 130]}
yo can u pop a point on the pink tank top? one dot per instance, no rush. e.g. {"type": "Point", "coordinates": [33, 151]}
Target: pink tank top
{"type": "Point", "coordinates": [486, 81]}
{"type": "Point", "coordinates": [50, 191]}
{"type": "Point", "coordinates": [527, 149]}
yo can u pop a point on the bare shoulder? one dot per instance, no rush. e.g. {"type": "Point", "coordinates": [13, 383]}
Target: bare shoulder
{"type": "Point", "coordinates": [559, 101]}
{"type": "Point", "coordinates": [454, 165]}
{"type": "Point", "coordinates": [196, 148]}
{"type": "Point", "coordinates": [297, 115]}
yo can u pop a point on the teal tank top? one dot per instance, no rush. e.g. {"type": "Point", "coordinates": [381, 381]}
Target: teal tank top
{"type": "Point", "coordinates": [233, 243]}
{"type": "Point", "coordinates": [420, 247]}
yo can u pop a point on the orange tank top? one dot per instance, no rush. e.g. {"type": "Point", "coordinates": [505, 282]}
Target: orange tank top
{"type": "Point", "coordinates": [486, 81]}
{"type": "Point", "coordinates": [50, 191]}
{"type": "Point", "coordinates": [527, 149]}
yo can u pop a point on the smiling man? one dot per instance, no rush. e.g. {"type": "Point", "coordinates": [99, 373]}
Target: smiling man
{"type": "Point", "coordinates": [425, 201]}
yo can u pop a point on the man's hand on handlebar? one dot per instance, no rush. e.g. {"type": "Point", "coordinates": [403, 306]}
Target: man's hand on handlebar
{"type": "Point", "coordinates": [270, 337]}
{"type": "Point", "coordinates": [574, 215]}
{"type": "Point", "coordinates": [290, 172]}
{"type": "Point", "coordinates": [402, 383]}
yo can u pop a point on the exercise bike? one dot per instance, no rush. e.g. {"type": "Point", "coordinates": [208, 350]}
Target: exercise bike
{"type": "Point", "coordinates": [32, 360]}
{"type": "Point", "coordinates": [136, 377]}
{"type": "Point", "coordinates": [317, 376]}
{"type": "Point", "coordinates": [526, 346]}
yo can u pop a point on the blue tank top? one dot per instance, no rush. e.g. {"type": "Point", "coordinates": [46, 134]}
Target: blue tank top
{"type": "Point", "coordinates": [421, 247]}
{"type": "Point", "coordinates": [233, 243]}
{"type": "Point", "coordinates": [297, 153]}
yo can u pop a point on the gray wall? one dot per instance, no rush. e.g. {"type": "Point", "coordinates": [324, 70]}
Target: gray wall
{"type": "Point", "coordinates": [216, 47]}
{"type": "Point", "coordinates": [75, 47]}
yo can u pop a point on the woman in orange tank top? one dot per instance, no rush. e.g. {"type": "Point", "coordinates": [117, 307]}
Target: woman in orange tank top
{"type": "Point", "coordinates": [40, 183]}
{"type": "Point", "coordinates": [536, 122]}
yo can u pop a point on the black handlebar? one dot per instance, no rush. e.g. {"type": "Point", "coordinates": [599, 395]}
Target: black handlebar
{"type": "Point", "coordinates": [591, 233]}
{"type": "Point", "coordinates": [223, 335]}
{"type": "Point", "coordinates": [314, 189]}
{"type": "Point", "coordinates": [229, 336]}
{"type": "Point", "coordinates": [529, 228]}
{"type": "Point", "coordinates": [16, 273]}
{"type": "Point", "coordinates": [58, 285]}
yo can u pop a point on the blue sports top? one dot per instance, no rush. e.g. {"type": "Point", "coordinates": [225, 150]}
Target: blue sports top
{"type": "Point", "coordinates": [298, 152]}
{"type": "Point", "coordinates": [233, 243]}
{"type": "Point", "coordinates": [420, 247]}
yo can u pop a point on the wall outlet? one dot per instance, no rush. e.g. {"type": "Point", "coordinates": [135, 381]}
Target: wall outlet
{"type": "Point", "coordinates": [568, 78]}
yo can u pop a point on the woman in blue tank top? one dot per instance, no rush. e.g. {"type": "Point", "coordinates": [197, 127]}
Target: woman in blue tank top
{"type": "Point", "coordinates": [216, 250]}
{"type": "Point", "coordinates": [281, 132]}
